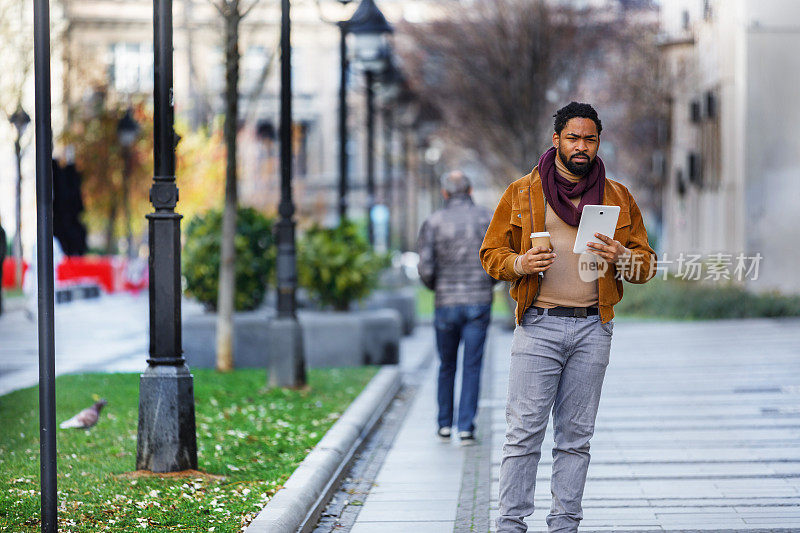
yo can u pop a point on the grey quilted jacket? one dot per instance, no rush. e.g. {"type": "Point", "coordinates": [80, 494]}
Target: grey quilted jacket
{"type": "Point", "coordinates": [448, 246]}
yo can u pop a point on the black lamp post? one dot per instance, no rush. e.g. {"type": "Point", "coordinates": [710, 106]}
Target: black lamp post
{"type": "Point", "coordinates": [167, 440]}
{"type": "Point", "coordinates": [20, 120]}
{"type": "Point", "coordinates": [44, 265]}
{"type": "Point", "coordinates": [343, 26]}
{"type": "Point", "coordinates": [287, 363]}
{"type": "Point", "coordinates": [127, 131]}
{"type": "Point", "coordinates": [390, 83]}
{"type": "Point", "coordinates": [370, 51]}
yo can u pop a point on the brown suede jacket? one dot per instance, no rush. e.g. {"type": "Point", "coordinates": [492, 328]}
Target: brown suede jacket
{"type": "Point", "coordinates": [509, 235]}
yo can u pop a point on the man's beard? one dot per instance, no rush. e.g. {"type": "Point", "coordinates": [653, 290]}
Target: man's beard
{"type": "Point", "coordinates": [579, 169]}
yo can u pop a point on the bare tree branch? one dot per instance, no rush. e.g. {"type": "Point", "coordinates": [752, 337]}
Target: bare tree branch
{"type": "Point", "coordinates": [247, 11]}
{"type": "Point", "coordinates": [488, 70]}
{"type": "Point", "coordinates": [221, 8]}
{"type": "Point", "coordinates": [258, 89]}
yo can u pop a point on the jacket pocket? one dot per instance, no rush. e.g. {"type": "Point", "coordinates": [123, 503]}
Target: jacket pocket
{"type": "Point", "coordinates": [622, 232]}
{"type": "Point", "coordinates": [516, 217]}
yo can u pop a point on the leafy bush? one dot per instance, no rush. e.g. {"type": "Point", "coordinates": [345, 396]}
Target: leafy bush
{"type": "Point", "coordinates": [255, 258]}
{"type": "Point", "coordinates": [679, 298]}
{"type": "Point", "coordinates": [337, 265]}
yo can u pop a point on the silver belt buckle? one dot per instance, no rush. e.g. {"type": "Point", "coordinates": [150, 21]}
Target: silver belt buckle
{"type": "Point", "coordinates": [580, 312]}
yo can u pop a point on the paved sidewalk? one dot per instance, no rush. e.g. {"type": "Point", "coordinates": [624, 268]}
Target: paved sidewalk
{"type": "Point", "coordinates": [108, 334]}
{"type": "Point", "coordinates": [418, 486]}
{"type": "Point", "coordinates": [698, 429]}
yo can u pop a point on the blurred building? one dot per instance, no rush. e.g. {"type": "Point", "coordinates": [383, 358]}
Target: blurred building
{"type": "Point", "coordinates": [110, 42]}
{"type": "Point", "coordinates": [106, 45]}
{"type": "Point", "coordinates": [732, 166]}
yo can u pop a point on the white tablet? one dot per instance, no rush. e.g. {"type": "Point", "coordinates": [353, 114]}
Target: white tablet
{"type": "Point", "coordinates": [595, 219]}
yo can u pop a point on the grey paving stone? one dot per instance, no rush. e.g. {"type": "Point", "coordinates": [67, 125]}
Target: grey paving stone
{"type": "Point", "coordinates": [694, 433]}
{"type": "Point", "coordinates": [402, 527]}
{"type": "Point", "coordinates": [418, 511]}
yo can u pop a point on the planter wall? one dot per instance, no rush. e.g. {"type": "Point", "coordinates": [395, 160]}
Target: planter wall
{"type": "Point", "coordinates": [403, 300]}
{"type": "Point", "coordinates": [330, 339]}
{"type": "Point", "coordinates": [249, 339]}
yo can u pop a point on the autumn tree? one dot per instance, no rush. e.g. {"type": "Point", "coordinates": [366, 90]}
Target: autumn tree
{"type": "Point", "coordinates": [108, 190]}
{"type": "Point", "coordinates": [100, 159]}
{"type": "Point", "coordinates": [630, 86]}
{"type": "Point", "coordinates": [493, 70]}
{"type": "Point", "coordinates": [496, 71]}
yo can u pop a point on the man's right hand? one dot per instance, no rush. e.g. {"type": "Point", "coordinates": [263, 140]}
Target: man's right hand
{"type": "Point", "coordinates": [536, 260]}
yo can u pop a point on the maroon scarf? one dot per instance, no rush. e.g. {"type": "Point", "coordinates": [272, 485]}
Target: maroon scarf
{"type": "Point", "coordinates": [558, 189]}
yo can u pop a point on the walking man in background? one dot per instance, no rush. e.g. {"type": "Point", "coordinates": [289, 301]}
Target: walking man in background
{"type": "Point", "coordinates": [562, 342]}
{"type": "Point", "coordinates": [448, 264]}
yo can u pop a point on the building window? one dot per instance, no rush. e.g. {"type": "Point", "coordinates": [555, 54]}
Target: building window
{"type": "Point", "coordinates": [711, 104]}
{"type": "Point", "coordinates": [679, 183]}
{"type": "Point", "coordinates": [131, 67]}
{"type": "Point", "coordinates": [695, 169]}
{"type": "Point", "coordinates": [695, 112]}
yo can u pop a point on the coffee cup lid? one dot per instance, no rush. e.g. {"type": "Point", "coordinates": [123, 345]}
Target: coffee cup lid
{"type": "Point", "coordinates": [540, 234]}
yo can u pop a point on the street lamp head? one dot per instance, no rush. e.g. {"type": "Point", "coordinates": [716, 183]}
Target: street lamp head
{"type": "Point", "coordinates": [370, 30]}
{"type": "Point", "coordinates": [127, 129]}
{"type": "Point", "coordinates": [391, 81]}
{"type": "Point", "coordinates": [369, 19]}
{"type": "Point", "coordinates": [20, 120]}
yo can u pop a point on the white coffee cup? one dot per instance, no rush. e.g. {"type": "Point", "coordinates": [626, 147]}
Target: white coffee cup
{"type": "Point", "coordinates": [541, 238]}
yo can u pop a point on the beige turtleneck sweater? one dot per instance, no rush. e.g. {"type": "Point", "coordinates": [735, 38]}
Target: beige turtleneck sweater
{"type": "Point", "coordinates": [561, 283]}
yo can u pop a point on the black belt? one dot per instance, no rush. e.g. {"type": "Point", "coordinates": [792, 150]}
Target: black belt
{"type": "Point", "coordinates": [581, 312]}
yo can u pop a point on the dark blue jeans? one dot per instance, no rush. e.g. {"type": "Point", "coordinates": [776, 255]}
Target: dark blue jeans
{"type": "Point", "coordinates": [454, 324]}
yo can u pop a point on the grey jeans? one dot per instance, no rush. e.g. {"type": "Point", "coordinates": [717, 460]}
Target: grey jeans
{"type": "Point", "coordinates": [559, 363]}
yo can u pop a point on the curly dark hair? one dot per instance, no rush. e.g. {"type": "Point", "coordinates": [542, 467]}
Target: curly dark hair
{"type": "Point", "coordinates": [575, 110]}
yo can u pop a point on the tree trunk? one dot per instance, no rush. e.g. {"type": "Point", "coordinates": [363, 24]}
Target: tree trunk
{"type": "Point", "coordinates": [227, 271]}
{"type": "Point", "coordinates": [111, 247]}
{"type": "Point", "coordinates": [18, 228]}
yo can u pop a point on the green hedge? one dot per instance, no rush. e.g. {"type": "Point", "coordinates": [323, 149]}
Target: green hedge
{"type": "Point", "coordinates": [679, 298]}
{"type": "Point", "coordinates": [255, 258]}
{"type": "Point", "coordinates": [337, 265]}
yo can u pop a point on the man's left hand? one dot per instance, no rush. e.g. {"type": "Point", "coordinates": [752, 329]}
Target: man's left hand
{"type": "Point", "coordinates": [612, 251]}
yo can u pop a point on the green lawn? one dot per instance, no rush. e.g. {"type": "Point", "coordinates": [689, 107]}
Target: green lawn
{"type": "Point", "coordinates": [252, 436]}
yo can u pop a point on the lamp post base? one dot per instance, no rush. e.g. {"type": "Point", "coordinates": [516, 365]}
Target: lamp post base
{"type": "Point", "coordinates": [287, 357]}
{"type": "Point", "coordinates": [167, 441]}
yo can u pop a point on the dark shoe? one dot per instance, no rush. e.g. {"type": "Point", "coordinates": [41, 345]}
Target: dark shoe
{"type": "Point", "coordinates": [466, 438]}
{"type": "Point", "coordinates": [444, 434]}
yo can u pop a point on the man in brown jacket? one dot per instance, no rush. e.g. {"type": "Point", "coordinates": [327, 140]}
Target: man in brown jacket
{"type": "Point", "coordinates": [564, 314]}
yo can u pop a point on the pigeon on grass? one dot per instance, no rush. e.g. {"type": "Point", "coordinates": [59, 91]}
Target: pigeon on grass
{"type": "Point", "coordinates": [86, 418]}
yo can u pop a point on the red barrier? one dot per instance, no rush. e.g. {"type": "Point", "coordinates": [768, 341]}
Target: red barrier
{"type": "Point", "coordinates": [99, 270]}
{"type": "Point", "coordinates": [111, 273]}
{"type": "Point", "coordinates": [10, 272]}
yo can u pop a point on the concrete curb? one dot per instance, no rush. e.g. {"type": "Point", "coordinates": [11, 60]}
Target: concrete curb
{"type": "Point", "coordinates": [304, 493]}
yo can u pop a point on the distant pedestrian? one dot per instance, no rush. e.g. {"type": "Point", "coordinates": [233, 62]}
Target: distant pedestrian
{"type": "Point", "coordinates": [562, 342]}
{"type": "Point", "coordinates": [449, 265]}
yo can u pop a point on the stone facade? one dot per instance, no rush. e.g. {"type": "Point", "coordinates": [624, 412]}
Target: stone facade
{"type": "Point", "coordinates": [732, 174]}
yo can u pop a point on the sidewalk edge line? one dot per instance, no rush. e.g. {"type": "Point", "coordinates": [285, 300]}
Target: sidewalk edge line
{"type": "Point", "coordinates": [306, 491]}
